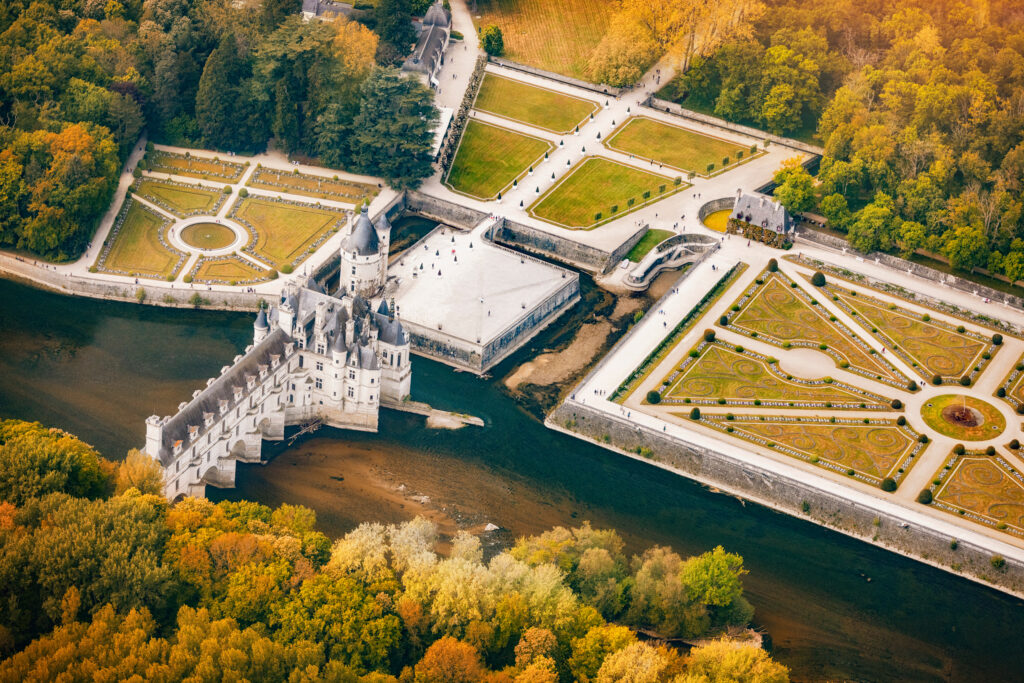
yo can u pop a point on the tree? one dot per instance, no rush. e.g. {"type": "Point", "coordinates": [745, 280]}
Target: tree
{"type": "Point", "coordinates": [722, 660]}
{"type": "Point", "coordinates": [640, 663]}
{"type": "Point", "coordinates": [394, 24]}
{"type": "Point", "coordinates": [623, 55]}
{"type": "Point", "coordinates": [141, 472]}
{"type": "Point", "coordinates": [223, 106]}
{"type": "Point", "coordinates": [393, 132]}
{"type": "Point", "coordinates": [590, 651]}
{"type": "Point", "coordinates": [836, 210]}
{"type": "Point", "coordinates": [273, 12]}
{"type": "Point", "coordinates": [35, 461]}
{"type": "Point", "coordinates": [875, 225]}
{"type": "Point", "coordinates": [713, 580]}
{"type": "Point", "coordinates": [450, 661]}
{"type": "Point", "coordinates": [492, 41]}
{"type": "Point", "coordinates": [795, 186]}
{"type": "Point", "coordinates": [965, 247]}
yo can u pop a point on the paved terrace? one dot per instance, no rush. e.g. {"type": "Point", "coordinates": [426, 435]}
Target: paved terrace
{"type": "Point", "coordinates": [460, 283]}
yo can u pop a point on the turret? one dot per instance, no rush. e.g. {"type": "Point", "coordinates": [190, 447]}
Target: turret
{"type": "Point", "coordinates": [260, 328]}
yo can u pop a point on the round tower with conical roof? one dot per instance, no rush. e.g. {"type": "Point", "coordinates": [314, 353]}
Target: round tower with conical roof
{"type": "Point", "coordinates": [364, 257]}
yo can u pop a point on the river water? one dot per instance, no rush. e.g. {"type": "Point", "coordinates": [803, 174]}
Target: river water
{"type": "Point", "coordinates": [836, 608]}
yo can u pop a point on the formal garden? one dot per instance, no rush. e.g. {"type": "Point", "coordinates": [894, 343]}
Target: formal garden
{"type": "Point", "coordinates": [982, 486]}
{"type": "Point", "coordinates": [598, 190]}
{"type": "Point", "coordinates": [285, 232]}
{"type": "Point", "coordinates": [229, 270]}
{"type": "Point", "coordinates": [1012, 388]}
{"type": "Point", "coordinates": [308, 185]}
{"type": "Point", "coordinates": [963, 417]}
{"type": "Point", "coordinates": [871, 450]}
{"type": "Point", "coordinates": [181, 199]}
{"type": "Point", "coordinates": [193, 166]}
{"type": "Point", "coordinates": [490, 159]}
{"type": "Point", "coordinates": [776, 310]}
{"type": "Point", "coordinates": [207, 236]}
{"type": "Point", "coordinates": [533, 105]}
{"type": "Point", "coordinates": [678, 148]}
{"type": "Point", "coordinates": [137, 245]}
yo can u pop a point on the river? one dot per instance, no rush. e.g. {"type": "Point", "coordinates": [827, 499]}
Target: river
{"type": "Point", "coordinates": [836, 608]}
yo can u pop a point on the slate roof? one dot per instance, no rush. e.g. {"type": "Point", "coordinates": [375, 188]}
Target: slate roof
{"type": "Point", "coordinates": [261, 321]}
{"type": "Point", "coordinates": [363, 238]}
{"type": "Point", "coordinates": [221, 389]}
{"type": "Point", "coordinates": [428, 50]}
{"type": "Point", "coordinates": [762, 211]}
{"type": "Point", "coordinates": [437, 15]}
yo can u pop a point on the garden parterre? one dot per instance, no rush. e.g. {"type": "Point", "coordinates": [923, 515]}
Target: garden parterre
{"type": "Point", "coordinates": [227, 270]}
{"type": "Point", "coordinates": [679, 148]}
{"type": "Point", "coordinates": [987, 489]}
{"type": "Point", "coordinates": [600, 189]}
{"type": "Point", "coordinates": [204, 168]}
{"type": "Point", "coordinates": [137, 246]}
{"type": "Point", "coordinates": [285, 232]}
{"type": "Point", "coordinates": [533, 105]}
{"type": "Point", "coordinates": [181, 199]}
{"type": "Point", "coordinates": [310, 185]}
{"type": "Point", "coordinates": [491, 158]}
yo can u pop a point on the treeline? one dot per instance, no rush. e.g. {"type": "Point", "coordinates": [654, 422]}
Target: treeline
{"type": "Point", "coordinates": [80, 80]}
{"type": "Point", "coordinates": [919, 105]}
{"type": "Point", "coordinates": [100, 578]}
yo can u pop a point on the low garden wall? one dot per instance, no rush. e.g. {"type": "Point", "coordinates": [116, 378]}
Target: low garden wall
{"type": "Point", "coordinates": [582, 256]}
{"type": "Point", "coordinates": [715, 205]}
{"type": "Point", "coordinates": [595, 87]}
{"type": "Point", "coordinates": [884, 528]}
{"type": "Point", "coordinates": [896, 263]}
{"type": "Point", "coordinates": [442, 211]}
{"type": "Point", "coordinates": [659, 104]}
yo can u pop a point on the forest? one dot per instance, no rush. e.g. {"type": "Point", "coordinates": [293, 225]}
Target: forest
{"type": "Point", "coordinates": [81, 79]}
{"type": "Point", "coordinates": [102, 579]}
{"type": "Point", "coordinates": [919, 105]}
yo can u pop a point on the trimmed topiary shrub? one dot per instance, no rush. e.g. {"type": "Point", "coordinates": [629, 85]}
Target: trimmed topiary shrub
{"type": "Point", "coordinates": [923, 438]}
{"type": "Point", "coordinates": [723, 321]}
{"type": "Point", "coordinates": [287, 269]}
{"type": "Point", "coordinates": [936, 380]}
{"type": "Point", "coordinates": [959, 449]}
{"type": "Point", "coordinates": [653, 397]}
{"type": "Point", "coordinates": [925, 497]}
{"type": "Point", "coordinates": [1001, 392]}
{"type": "Point", "coordinates": [901, 420]}
{"type": "Point", "coordinates": [896, 404]}
{"type": "Point", "coordinates": [888, 484]}
{"type": "Point", "coordinates": [818, 279]}
{"type": "Point", "coordinates": [272, 274]}
{"type": "Point", "coordinates": [912, 386]}
{"type": "Point", "coordinates": [709, 336]}
{"type": "Point", "coordinates": [695, 413]}
{"type": "Point", "coordinates": [227, 189]}
{"type": "Point", "coordinates": [991, 450]}
{"type": "Point", "coordinates": [243, 192]}
{"type": "Point", "coordinates": [965, 381]}
{"type": "Point", "coordinates": [997, 339]}
{"type": "Point", "coordinates": [1014, 444]}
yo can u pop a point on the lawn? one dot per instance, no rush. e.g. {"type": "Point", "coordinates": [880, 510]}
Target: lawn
{"type": "Point", "coordinates": [779, 314]}
{"type": "Point", "coordinates": [309, 185]}
{"type": "Point", "coordinates": [284, 230]}
{"type": "Point", "coordinates": [181, 200]}
{"type": "Point", "coordinates": [873, 451]}
{"type": "Point", "coordinates": [988, 487]}
{"type": "Point", "coordinates": [990, 422]}
{"type": "Point", "coordinates": [227, 270]}
{"type": "Point", "coordinates": [556, 36]}
{"type": "Point", "coordinates": [490, 158]}
{"type": "Point", "coordinates": [597, 186]}
{"type": "Point", "coordinates": [673, 146]}
{"type": "Point", "coordinates": [930, 347]}
{"type": "Point", "coordinates": [194, 166]}
{"type": "Point", "coordinates": [651, 239]}
{"type": "Point", "coordinates": [530, 104]}
{"type": "Point", "coordinates": [137, 250]}
{"type": "Point", "coordinates": [722, 375]}
{"type": "Point", "coordinates": [207, 236]}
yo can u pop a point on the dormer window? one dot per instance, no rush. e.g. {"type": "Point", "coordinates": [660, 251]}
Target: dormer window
{"type": "Point", "coordinates": [238, 393]}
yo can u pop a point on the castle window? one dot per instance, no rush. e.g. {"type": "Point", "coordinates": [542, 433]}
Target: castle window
{"type": "Point", "coordinates": [319, 366]}
{"type": "Point", "coordinates": [300, 361]}
{"type": "Point", "coordinates": [353, 270]}
{"type": "Point", "coordinates": [351, 392]}
{"type": "Point", "coordinates": [351, 374]}
{"type": "Point", "coordinates": [320, 348]}
{"type": "Point", "coordinates": [319, 383]}
{"type": "Point", "coordinates": [371, 380]}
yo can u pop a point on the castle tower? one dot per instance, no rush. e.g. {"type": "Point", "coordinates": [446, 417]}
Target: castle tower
{"type": "Point", "coordinates": [364, 258]}
{"type": "Point", "coordinates": [260, 328]}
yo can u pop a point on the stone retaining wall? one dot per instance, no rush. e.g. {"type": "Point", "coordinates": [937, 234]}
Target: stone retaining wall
{"type": "Point", "coordinates": [715, 205]}
{"type": "Point", "coordinates": [442, 211]}
{"type": "Point", "coordinates": [595, 87]}
{"type": "Point", "coordinates": [582, 256]}
{"type": "Point", "coordinates": [896, 263]}
{"type": "Point", "coordinates": [794, 497]}
{"type": "Point", "coordinates": [673, 108]}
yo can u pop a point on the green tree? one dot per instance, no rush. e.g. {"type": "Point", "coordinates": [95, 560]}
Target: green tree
{"type": "Point", "coordinates": [590, 651]}
{"type": "Point", "coordinates": [35, 461]}
{"type": "Point", "coordinates": [725, 661]}
{"type": "Point", "coordinates": [836, 210]}
{"type": "Point", "coordinates": [273, 12]}
{"type": "Point", "coordinates": [141, 472]}
{"type": "Point", "coordinates": [393, 132]}
{"type": "Point", "coordinates": [795, 186]}
{"type": "Point", "coordinates": [394, 24]}
{"type": "Point", "coordinates": [492, 41]}
{"type": "Point", "coordinates": [875, 225]}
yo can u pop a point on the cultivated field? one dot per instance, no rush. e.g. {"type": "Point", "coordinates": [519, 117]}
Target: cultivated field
{"type": "Point", "coordinates": [556, 36]}
{"type": "Point", "coordinates": [284, 230]}
{"type": "Point", "coordinates": [181, 200]}
{"type": "Point", "coordinates": [193, 166]}
{"type": "Point", "coordinates": [136, 248]}
{"type": "Point", "coordinates": [309, 185]}
{"type": "Point", "coordinates": [490, 158]}
{"type": "Point", "coordinates": [530, 104]}
{"type": "Point", "coordinates": [676, 147]}
{"type": "Point", "coordinates": [598, 189]}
